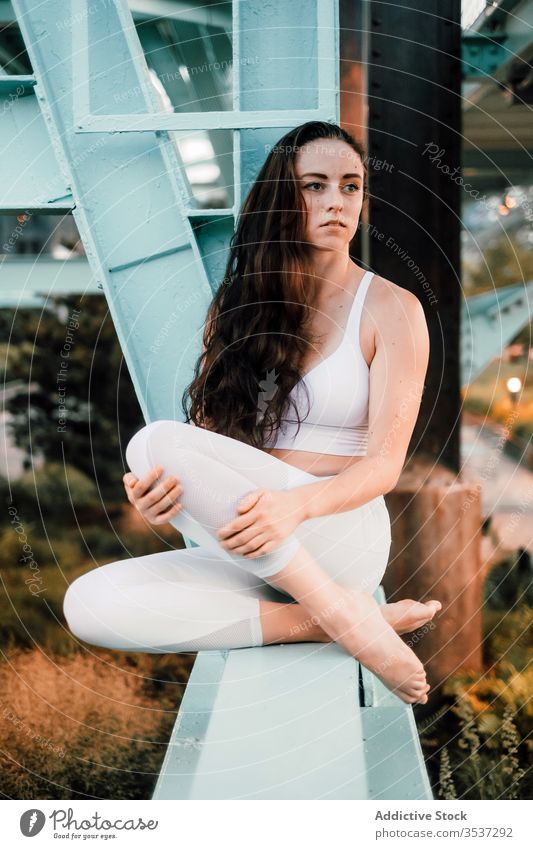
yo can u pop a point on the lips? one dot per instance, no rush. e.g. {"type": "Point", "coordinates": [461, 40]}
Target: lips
{"type": "Point", "coordinates": [333, 223]}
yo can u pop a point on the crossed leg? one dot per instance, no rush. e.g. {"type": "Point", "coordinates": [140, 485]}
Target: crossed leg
{"type": "Point", "coordinates": [208, 465]}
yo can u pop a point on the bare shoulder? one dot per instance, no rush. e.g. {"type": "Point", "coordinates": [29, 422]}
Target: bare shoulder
{"type": "Point", "coordinates": [384, 296]}
{"type": "Point", "coordinates": [389, 304]}
{"type": "Point", "coordinates": [394, 323]}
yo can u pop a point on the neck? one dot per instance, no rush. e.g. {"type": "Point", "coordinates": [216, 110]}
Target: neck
{"type": "Point", "coordinates": [331, 271]}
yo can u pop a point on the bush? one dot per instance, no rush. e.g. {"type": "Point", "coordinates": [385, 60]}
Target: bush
{"type": "Point", "coordinates": [29, 543]}
{"type": "Point", "coordinates": [56, 491]}
{"type": "Point", "coordinates": [479, 763]}
{"type": "Point", "coordinates": [477, 745]}
{"type": "Point", "coordinates": [478, 406]}
{"type": "Point", "coordinates": [85, 727]}
{"type": "Point", "coordinates": [23, 540]}
{"type": "Point", "coordinates": [509, 583]}
{"type": "Point", "coordinates": [107, 545]}
{"type": "Point", "coordinates": [508, 637]}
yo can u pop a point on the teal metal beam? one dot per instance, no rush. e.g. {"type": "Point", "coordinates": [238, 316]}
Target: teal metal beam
{"type": "Point", "coordinates": [7, 15]}
{"type": "Point", "coordinates": [278, 26]}
{"type": "Point", "coordinates": [497, 40]}
{"type": "Point", "coordinates": [18, 300]}
{"type": "Point", "coordinates": [395, 761]}
{"type": "Point", "coordinates": [30, 173]}
{"type": "Point", "coordinates": [275, 722]}
{"type": "Point", "coordinates": [180, 10]}
{"type": "Point", "coordinates": [489, 322]}
{"type": "Point", "coordinates": [177, 121]}
{"type": "Point", "coordinates": [129, 195]}
{"type": "Point", "coordinates": [184, 11]}
{"type": "Point", "coordinates": [31, 277]}
{"type": "Point", "coordinates": [482, 54]}
{"type": "Point", "coordinates": [291, 722]}
{"type": "Point", "coordinates": [16, 85]}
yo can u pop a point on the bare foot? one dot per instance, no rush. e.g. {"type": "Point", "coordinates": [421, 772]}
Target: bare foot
{"type": "Point", "coordinates": [359, 627]}
{"type": "Point", "coordinates": [408, 615]}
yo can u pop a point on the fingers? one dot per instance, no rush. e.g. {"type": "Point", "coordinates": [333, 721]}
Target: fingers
{"type": "Point", "coordinates": [249, 547]}
{"type": "Point", "coordinates": [230, 531]}
{"type": "Point", "coordinates": [151, 498]}
{"type": "Point", "coordinates": [242, 538]}
{"type": "Point", "coordinates": [161, 497]}
{"type": "Point", "coordinates": [147, 485]}
{"type": "Point", "coordinates": [143, 485]}
{"type": "Point", "coordinates": [129, 479]}
{"type": "Point", "coordinates": [161, 518]}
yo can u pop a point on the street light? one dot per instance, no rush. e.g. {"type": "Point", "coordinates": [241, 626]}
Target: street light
{"type": "Point", "coordinates": [514, 385]}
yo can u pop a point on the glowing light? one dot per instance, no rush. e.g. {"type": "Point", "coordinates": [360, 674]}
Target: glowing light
{"type": "Point", "coordinates": [514, 384]}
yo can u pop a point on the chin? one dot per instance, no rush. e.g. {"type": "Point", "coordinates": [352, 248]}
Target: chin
{"type": "Point", "coordinates": [336, 235]}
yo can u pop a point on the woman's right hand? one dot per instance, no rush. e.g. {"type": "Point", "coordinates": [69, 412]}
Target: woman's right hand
{"type": "Point", "coordinates": [155, 501]}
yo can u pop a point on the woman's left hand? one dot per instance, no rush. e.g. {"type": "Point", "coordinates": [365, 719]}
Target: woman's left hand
{"type": "Point", "coordinates": [267, 517]}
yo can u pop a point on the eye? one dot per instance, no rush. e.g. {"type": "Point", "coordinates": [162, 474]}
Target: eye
{"type": "Point", "coordinates": [353, 185]}
{"type": "Point", "coordinates": [308, 185]}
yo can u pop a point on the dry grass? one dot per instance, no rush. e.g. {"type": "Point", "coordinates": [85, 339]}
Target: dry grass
{"type": "Point", "coordinates": [93, 725]}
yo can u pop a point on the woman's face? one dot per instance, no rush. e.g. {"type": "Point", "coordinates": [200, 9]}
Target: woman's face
{"type": "Point", "coordinates": [330, 176]}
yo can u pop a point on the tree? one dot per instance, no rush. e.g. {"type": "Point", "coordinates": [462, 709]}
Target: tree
{"type": "Point", "coordinates": [82, 409]}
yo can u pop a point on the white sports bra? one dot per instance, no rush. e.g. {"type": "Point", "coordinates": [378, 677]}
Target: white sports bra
{"type": "Point", "coordinates": [338, 397]}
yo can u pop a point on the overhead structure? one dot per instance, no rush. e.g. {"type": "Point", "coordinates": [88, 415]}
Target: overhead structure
{"type": "Point", "coordinates": [497, 52]}
{"type": "Point", "coordinates": [103, 141]}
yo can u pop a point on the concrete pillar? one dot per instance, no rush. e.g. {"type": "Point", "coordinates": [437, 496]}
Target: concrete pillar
{"type": "Point", "coordinates": [436, 553]}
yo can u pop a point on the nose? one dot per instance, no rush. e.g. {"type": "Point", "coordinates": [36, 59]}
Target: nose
{"type": "Point", "coordinates": [335, 199]}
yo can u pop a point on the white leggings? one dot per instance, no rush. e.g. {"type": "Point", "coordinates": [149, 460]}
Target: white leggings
{"type": "Point", "coordinates": [206, 597]}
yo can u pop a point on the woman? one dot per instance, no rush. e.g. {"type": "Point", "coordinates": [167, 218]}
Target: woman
{"type": "Point", "coordinates": [292, 529]}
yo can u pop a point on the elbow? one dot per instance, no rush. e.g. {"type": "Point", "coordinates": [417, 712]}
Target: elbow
{"type": "Point", "coordinates": [391, 481]}
{"type": "Point", "coordinates": [387, 472]}
{"type": "Point", "coordinates": [389, 486]}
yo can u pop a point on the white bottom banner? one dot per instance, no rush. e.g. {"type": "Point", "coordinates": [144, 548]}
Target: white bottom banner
{"type": "Point", "coordinates": [312, 824]}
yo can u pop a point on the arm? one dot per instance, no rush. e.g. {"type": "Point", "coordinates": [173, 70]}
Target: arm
{"type": "Point", "coordinates": [396, 381]}
{"type": "Point", "coordinates": [397, 375]}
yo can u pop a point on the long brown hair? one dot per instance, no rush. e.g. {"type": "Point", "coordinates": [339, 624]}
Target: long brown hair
{"type": "Point", "coordinates": [257, 327]}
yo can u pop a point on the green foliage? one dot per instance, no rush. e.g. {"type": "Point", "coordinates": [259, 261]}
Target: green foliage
{"type": "Point", "coordinates": [503, 261]}
{"type": "Point", "coordinates": [478, 744]}
{"type": "Point", "coordinates": [32, 597]}
{"type": "Point", "coordinates": [446, 784]}
{"type": "Point", "coordinates": [102, 411]}
{"type": "Point", "coordinates": [27, 543]}
{"type": "Point", "coordinates": [508, 636]}
{"type": "Point", "coordinates": [485, 761]}
{"type": "Point", "coordinates": [509, 583]}
{"type": "Point", "coordinates": [55, 491]}
{"type": "Point", "coordinates": [523, 430]}
{"type": "Point", "coordinates": [120, 546]}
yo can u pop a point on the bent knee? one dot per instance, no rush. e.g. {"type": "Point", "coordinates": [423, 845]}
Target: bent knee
{"type": "Point", "coordinates": [137, 449]}
{"type": "Point", "coordinates": [83, 607]}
